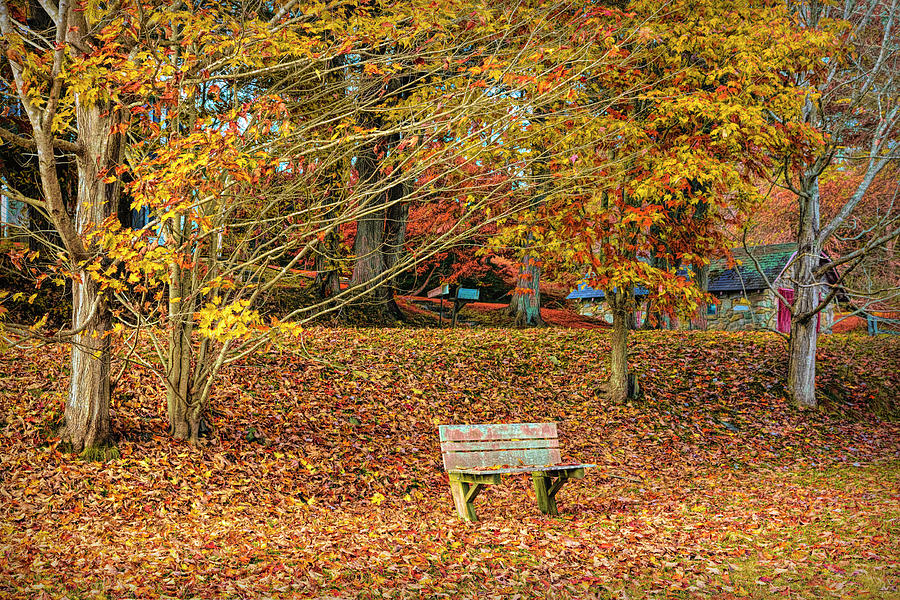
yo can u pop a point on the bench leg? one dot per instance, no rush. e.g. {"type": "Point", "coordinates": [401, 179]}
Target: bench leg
{"type": "Point", "coordinates": [464, 494]}
{"type": "Point", "coordinates": [556, 486]}
{"type": "Point", "coordinates": [545, 490]}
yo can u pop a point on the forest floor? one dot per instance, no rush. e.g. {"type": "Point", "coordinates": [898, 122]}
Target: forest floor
{"type": "Point", "coordinates": [323, 476]}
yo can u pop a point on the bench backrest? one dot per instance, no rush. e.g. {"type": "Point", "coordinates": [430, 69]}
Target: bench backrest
{"type": "Point", "coordinates": [502, 444]}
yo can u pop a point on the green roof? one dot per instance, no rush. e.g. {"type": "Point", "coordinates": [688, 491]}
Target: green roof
{"type": "Point", "coordinates": [772, 260]}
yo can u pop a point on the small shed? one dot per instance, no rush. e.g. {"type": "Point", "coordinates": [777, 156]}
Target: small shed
{"type": "Point", "coordinates": [745, 301]}
{"type": "Point", "coordinates": [592, 303]}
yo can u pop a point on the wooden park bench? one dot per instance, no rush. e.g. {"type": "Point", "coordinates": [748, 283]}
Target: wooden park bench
{"type": "Point", "coordinates": [478, 455]}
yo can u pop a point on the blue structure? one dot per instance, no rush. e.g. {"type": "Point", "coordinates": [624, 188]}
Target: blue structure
{"type": "Point", "coordinates": [585, 292]}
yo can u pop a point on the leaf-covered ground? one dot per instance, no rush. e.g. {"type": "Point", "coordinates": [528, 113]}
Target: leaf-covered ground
{"type": "Point", "coordinates": [323, 478]}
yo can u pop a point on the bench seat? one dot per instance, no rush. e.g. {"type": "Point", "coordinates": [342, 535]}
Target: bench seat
{"type": "Point", "coordinates": [552, 469]}
{"type": "Point", "coordinates": [478, 455]}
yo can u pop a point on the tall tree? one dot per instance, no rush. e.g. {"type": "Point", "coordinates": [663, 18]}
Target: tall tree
{"type": "Point", "coordinates": [244, 186]}
{"type": "Point", "coordinates": [87, 123]}
{"type": "Point", "coordinates": [853, 99]}
{"type": "Point", "coordinates": [683, 130]}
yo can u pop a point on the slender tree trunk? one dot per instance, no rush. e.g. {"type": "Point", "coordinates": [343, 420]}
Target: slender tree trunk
{"type": "Point", "coordinates": [328, 282]}
{"type": "Point", "coordinates": [618, 357]}
{"type": "Point", "coordinates": [183, 412]}
{"type": "Point", "coordinates": [185, 382]}
{"type": "Point", "coordinates": [525, 304]}
{"type": "Point", "coordinates": [703, 283]}
{"type": "Point", "coordinates": [328, 270]}
{"type": "Point", "coordinates": [653, 319]}
{"type": "Point", "coordinates": [803, 338]}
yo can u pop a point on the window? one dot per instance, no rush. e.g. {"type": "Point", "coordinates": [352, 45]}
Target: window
{"type": "Point", "coordinates": [13, 216]}
{"type": "Point", "coordinates": [712, 310]}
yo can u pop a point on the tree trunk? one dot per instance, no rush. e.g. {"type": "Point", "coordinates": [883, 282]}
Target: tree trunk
{"type": "Point", "coordinates": [369, 268]}
{"type": "Point", "coordinates": [802, 363]}
{"type": "Point", "coordinates": [328, 282]}
{"type": "Point", "coordinates": [525, 304]}
{"type": "Point", "coordinates": [618, 357]}
{"type": "Point", "coordinates": [328, 268]}
{"type": "Point", "coordinates": [87, 424]}
{"type": "Point", "coordinates": [184, 400]}
{"type": "Point", "coordinates": [802, 343]}
{"type": "Point", "coordinates": [395, 228]}
{"type": "Point", "coordinates": [653, 319]}
{"type": "Point", "coordinates": [803, 338]}
{"type": "Point", "coordinates": [99, 148]}
{"type": "Point", "coordinates": [183, 412]}
{"type": "Point", "coordinates": [703, 284]}
{"type": "Point", "coordinates": [394, 241]}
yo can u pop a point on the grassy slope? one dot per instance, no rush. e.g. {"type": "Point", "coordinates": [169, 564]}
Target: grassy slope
{"type": "Point", "coordinates": [711, 487]}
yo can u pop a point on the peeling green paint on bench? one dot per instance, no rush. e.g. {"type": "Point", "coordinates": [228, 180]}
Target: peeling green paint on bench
{"type": "Point", "coordinates": [497, 431]}
{"type": "Point", "coordinates": [478, 455]}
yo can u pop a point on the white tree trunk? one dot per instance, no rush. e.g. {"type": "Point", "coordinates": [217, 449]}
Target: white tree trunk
{"type": "Point", "coordinates": [802, 363]}
{"type": "Point", "coordinates": [803, 339]}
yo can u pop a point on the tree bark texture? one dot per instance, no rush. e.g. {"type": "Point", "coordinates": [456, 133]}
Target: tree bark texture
{"type": "Point", "coordinates": [370, 270]}
{"type": "Point", "coordinates": [87, 423]}
{"type": "Point", "coordinates": [525, 304]}
{"type": "Point", "coordinates": [803, 337]}
{"type": "Point", "coordinates": [187, 373]}
{"type": "Point", "coordinates": [183, 411]}
{"type": "Point", "coordinates": [395, 227]}
{"type": "Point", "coordinates": [328, 281]}
{"type": "Point", "coordinates": [618, 358]}
{"type": "Point", "coordinates": [328, 267]}
{"type": "Point", "coordinates": [802, 363]}
{"type": "Point", "coordinates": [369, 266]}
{"type": "Point", "coordinates": [87, 411]}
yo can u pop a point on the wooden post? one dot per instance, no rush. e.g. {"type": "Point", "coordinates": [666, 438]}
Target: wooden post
{"type": "Point", "coordinates": [464, 495]}
{"type": "Point", "coordinates": [546, 503]}
{"type": "Point", "coordinates": [551, 493]}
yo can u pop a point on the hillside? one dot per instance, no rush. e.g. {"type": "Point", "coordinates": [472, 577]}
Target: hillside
{"type": "Point", "coordinates": [323, 476]}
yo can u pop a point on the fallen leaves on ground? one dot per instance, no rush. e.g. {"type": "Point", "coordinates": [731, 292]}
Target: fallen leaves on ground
{"type": "Point", "coordinates": [324, 476]}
